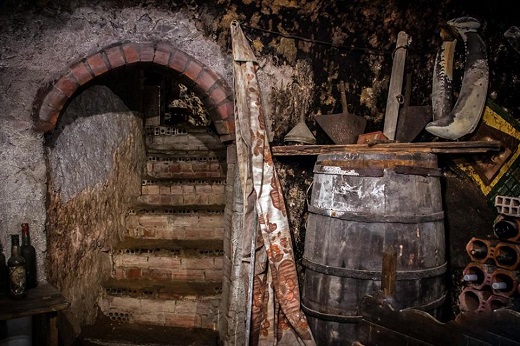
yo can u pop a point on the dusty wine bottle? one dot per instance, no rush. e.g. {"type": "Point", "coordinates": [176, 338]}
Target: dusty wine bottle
{"type": "Point", "coordinates": [500, 285]}
{"type": "Point", "coordinates": [506, 256]}
{"type": "Point", "coordinates": [470, 277]}
{"type": "Point", "coordinates": [29, 253]}
{"type": "Point", "coordinates": [16, 264]}
{"type": "Point", "coordinates": [507, 227]}
{"type": "Point", "coordinates": [478, 250]}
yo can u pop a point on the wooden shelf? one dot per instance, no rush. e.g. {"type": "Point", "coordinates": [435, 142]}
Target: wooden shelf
{"type": "Point", "coordinates": [39, 300]}
{"type": "Point", "coordinates": [469, 147]}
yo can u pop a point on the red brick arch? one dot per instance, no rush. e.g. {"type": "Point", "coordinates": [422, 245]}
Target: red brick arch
{"type": "Point", "coordinates": [212, 88]}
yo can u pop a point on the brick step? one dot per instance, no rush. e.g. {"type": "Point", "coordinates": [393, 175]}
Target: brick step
{"type": "Point", "coordinates": [176, 224]}
{"type": "Point", "coordinates": [160, 259]}
{"type": "Point", "coordinates": [185, 152]}
{"type": "Point", "coordinates": [179, 209]}
{"type": "Point", "coordinates": [183, 192]}
{"type": "Point", "coordinates": [135, 245]}
{"type": "Point", "coordinates": [200, 312]}
{"type": "Point", "coordinates": [186, 166]}
{"type": "Point", "coordinates": [182, 138]}
{"type": "Point", "coordinates": [110, 332]}
{"type": "Point", "coordinates": [168, 290]}
{"type": "Point", "coordinates": [194, 155]}
{"type": "Point", "coordinates": [182, 180]}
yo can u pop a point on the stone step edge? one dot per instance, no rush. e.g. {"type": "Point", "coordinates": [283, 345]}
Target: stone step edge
{"type": "Point", "coordinates": [173, 152]}
{"type": "Point", "coordinates": [148, 209]}
{"type": "Point", "coordinates": [150, 180]}
{"type": "Point", "coordinates": [162, 290]}
{"type": "Point", "coordinates": [163, 210]}
{"type": "Point", "coordinates": [177, 313]}
{"type": "Point", "coordinates": [149, 245]}
{"type": "Point", "coordinates": [156, 155]}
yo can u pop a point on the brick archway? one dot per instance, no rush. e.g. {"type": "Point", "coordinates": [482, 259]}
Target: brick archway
{"type": "Point", "coordinates": [212, 88]}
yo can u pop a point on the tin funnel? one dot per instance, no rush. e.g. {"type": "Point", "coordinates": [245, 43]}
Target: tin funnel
{"type": "Point", "coordinates": [300, 134]}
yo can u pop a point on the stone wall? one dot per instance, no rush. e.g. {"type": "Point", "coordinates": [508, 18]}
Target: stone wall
{"type": "Point", "coordinates": [95, 168]}
{"type": "Point", "coordinates": [38, 46]}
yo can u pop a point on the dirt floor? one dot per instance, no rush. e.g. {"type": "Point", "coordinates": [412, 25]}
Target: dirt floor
{"type": "Point", "coordinates": [108, 332]}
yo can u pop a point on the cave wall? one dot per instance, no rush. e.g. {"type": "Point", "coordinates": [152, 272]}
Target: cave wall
{"type": "Point", "coordinates": [95, 169]}
{"type": "Point", "coordinates": [37, 46]}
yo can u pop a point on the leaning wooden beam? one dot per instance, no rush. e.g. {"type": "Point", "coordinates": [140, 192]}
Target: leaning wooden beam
{"type": "Point", "coordinates": [469, 147]}
{"type": "Point", "coordinates": [395, 87]}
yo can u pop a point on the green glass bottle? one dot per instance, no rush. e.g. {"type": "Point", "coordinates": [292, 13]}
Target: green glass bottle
{"type": "Point", "coordinates": [29, 253]}
{"type": "Point", "coordinates": [16, 264]}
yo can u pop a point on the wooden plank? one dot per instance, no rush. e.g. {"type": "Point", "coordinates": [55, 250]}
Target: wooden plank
{"type": "Point", "coordinates": [52, 338]}
{"type": "Point", "coordinates": [389, 272]}
{"type": "Point", "coordinates": [469, 147]}
{"type": "Point", "coordinates": [396, 86]}
{"type": "Point", "coordinates": [39, 300]}
{"type": "Point", "coordinates": [374, 335]}
{"type": "Point", "coordinates": [414, 323]}
{"type": "Point", "coordinates": [500, 327]}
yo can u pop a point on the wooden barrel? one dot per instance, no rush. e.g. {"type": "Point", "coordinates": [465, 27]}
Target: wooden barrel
{"type": "Point", "coordinates": [361, 203]}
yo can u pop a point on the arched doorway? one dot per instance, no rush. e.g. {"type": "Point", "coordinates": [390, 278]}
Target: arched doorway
{"type": "Point", "coordinates": [136, 138]}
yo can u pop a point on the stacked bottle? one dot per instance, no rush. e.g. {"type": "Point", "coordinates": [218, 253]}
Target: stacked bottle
{"type": "Point", "coordinates": [29, 253]}
{"type": "Point", "coordinates": [492, 278]}
{"type": "Point", "coordinates": [19, 273]}
{"type": "Point", "coordinates": [16, 264]}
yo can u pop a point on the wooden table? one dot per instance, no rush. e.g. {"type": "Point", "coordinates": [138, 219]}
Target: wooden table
{"type": "Point", "coordinates": [43, 301]}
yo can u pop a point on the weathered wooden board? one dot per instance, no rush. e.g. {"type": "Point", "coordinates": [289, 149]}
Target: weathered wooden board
{"type": "Point", "coordinates": [382, 324]}
{"type": "Point", "coordinates": [470, 147]}
{"type": "Point", "coordinates": [396, 86]}
{"type": "Point", "coordinates": [39, 300]}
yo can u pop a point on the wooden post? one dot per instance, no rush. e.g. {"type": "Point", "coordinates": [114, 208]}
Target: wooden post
{"type": "Point", "coordinates": [395, 87]}
{"type": "Point", "coordinates": [52, 337]}
{"type": "Point", "coordinates": [389, 272]}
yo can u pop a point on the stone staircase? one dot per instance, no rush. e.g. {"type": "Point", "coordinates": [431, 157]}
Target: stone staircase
{"type": "Point", "coordinates": [167, 272]}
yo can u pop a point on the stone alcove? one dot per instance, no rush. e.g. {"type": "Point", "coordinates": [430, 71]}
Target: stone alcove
{"type": "Point", "coordinates": [96, 146]}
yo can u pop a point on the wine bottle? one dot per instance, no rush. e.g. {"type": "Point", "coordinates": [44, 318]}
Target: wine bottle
{"type": "Point", "coordinates": [4, 274]}
{"type": "Point", "coordinates": [500, 285]}
{"type": "Point", "coordinates": [29, 253]}
{"type": "Point", "coordinates": [506, 256]}
{"type": "Point", "coordinates": [474, 274]}
{"type": "Point", "coordinates": [16, 264]}
{"type": "Point", "coordinates": [470, 277]}
{"type": "Point", "coordinates": [478, 250]}
{"type": "Point", "coordinates": [507, 227]}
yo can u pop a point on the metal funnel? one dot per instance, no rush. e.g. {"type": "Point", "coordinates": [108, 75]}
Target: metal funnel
{"type": "Point", "coordinates": [300, 134]}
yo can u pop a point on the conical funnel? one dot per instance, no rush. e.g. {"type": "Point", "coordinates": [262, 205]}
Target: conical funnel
{"type": "Point", "coordinates": [342, 128]}
{"type": "Point", "coordinates": [300, 134]}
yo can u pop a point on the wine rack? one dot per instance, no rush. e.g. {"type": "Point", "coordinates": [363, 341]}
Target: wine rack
{"type": "Point", "coordinates": [492, 278]}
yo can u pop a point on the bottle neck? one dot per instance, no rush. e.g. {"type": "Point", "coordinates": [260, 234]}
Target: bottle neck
{"type": "Point", "coordinates": [26, 240]}
{"type": "Point", "coordinates": [15, 250]}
